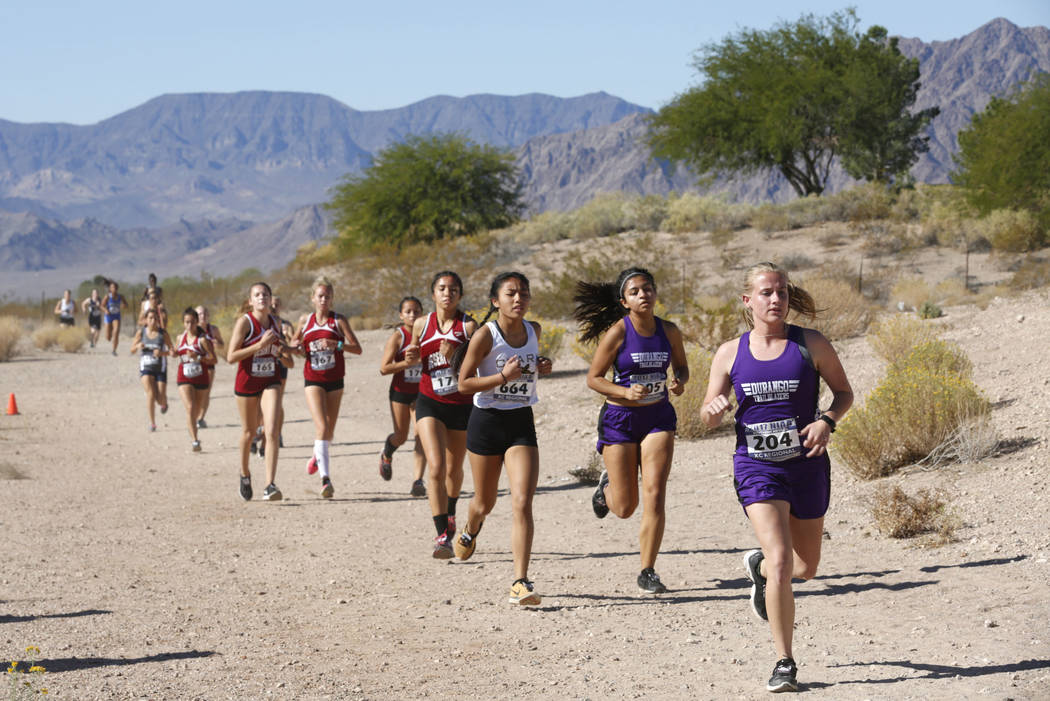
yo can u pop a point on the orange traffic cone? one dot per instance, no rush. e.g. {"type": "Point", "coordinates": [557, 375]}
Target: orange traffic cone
{"type": "Point", "coordinates": [12, 405]}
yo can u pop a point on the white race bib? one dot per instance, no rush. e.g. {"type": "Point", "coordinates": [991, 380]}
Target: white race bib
{"type": "Point", "coordinates": [322, 360]}
{"type": "Point", "coordinates": [443, 381]}
{"type": "Point", "coordinates": [655, 383]}
{"type": "Point", "coordinates": [519, 390]}
{"type": "Point", "coordinates": [191, 368]}
{"type": "Point", "coordinates": [263, 366]}
{"type": "Point", "coordinates": [773, 441]}
{"type": "Point", "coordinates": [414, 374]}
{"type": "Point", "coordinates": [149, 363]}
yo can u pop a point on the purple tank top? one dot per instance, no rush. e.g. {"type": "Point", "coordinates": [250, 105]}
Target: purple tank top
{"type": "Point", "coordinates": [643, 360]}
{"type": "Point", "coordinates": [775, 398]}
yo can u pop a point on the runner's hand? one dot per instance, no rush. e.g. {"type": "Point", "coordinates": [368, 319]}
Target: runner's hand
{"type": "Point", "coordinates": [675, 387]}
{"type": "Point", "coordinates": [512, 368]}
{"type": "Point", "coordinates": [718, 405]}
{"type": "Point", "coordinates": [412, 354]}
{"type": "Point", "coordinates": [815, 436]}
{"type": "Point", "coordinates": [544, 365]}
{"type": "Point", "coordinates": [635, 392]}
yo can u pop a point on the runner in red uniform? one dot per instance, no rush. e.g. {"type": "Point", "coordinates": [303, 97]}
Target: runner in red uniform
{"type": "Point", "coordinates": [442, 411]}
{"type": "Point", "coordinates": [214, 336]}
{"type": "Point", "coordinates": [194, 352]}
{"type": "Point", "coordinates": [323, 337]}
{"type": "Point", "coordinates": [258, 348]}
{"type": "Point", "coordinates": [401, 359]}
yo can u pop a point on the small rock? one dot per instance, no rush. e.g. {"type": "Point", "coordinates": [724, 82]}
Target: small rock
{"type": "Point", "coordinates": [989, 623]}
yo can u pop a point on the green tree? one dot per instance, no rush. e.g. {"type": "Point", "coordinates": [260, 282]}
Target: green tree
{"type": "Point", "coordinates": [1004, 155]}
{"type": "Point", "coordinates": [428, 188]}
{"type": "Point", "coordinates": [793, 98]}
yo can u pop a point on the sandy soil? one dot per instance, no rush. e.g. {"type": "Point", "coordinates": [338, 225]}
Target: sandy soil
{"type": "Point", "coordinates": [139, 573]}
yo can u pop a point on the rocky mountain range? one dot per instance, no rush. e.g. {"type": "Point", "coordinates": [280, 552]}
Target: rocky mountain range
{"type": "Point", "coordinates": [183, 182]}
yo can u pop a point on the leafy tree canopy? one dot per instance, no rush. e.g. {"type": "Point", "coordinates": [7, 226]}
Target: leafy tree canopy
{"type": "Point", "coordinates": [428, 188]}
{"type": "Point", "coordinates": [1004, 156]}
{"type": "Point", "coordinates": [792, 99]}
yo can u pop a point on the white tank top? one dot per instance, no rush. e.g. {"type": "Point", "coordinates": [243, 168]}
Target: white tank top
{"type": "Point", "coordinates": [517, 393]}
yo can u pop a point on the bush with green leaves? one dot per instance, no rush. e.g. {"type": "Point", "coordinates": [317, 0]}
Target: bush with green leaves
{"type": "Point", "coordinates": [425, 189]}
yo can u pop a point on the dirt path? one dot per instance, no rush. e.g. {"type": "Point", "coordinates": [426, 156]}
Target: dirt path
{"type": "Point", "coordinates": [136, 569]}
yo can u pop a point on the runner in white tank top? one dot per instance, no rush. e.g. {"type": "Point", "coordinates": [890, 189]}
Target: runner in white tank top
{"type": "Point", "coordinates": [500, 366]}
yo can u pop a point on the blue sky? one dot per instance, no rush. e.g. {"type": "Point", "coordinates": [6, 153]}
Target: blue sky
{"type": "Point", "coordinates": [80, 62]}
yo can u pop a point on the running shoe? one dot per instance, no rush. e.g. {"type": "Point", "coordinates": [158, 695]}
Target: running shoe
{"type": "Point", "coordinates": [418, 489]}
{"type": "Point", "coordinates": [311, 467]}
{"type": "Point", "coordinates": [164, 409]}
{"type": "Point", "coordinates": [201, 423]}
{"type": "Point", "coordinates": [280, 441]}
{"type": "Point", "coordinates": [326, 488]}
{"type": "Point", "coordinates": [601, 509]}
{"type": "Point", "coordinates": [523, 593]}
{"type": "Point", "coordinates": [753, 565]}
{"type": "Point", "coordinates": [464, 545]}
{"type": "Point", "coordinates": [272, 493]}
{"type": "Point", "coordinates": [254, 447]}
{"type": "Point", "coordinates": [246, 487]}
{"type": "Point", "coordinates": [649, 582]}
{"type": "Point", "coordinates": [783, 678]}
{"type": "Point", "coordinates": [196, 445]}
{"type": "Point", "coordinates": [152, 428]}
{"type": "Point", "coordinates": [386, 467]}
{"type": "Point", "coordinates": [262, 449]}
{"type": "Point", "coordinates": [442, 548]}
{"type": "Point", "coordinates": [451, 527]}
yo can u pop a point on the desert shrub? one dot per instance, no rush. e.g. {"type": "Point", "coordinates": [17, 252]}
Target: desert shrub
{"type": "Point", "coordinates": [584, 350]}
{"type": "Point", "coordinates": [929, 310]}
{"type": "Point", "coordinates": [709, 322]}
{"type": "Point", "coordinates": [951, 291]}
{"type": "Point", "coordinates": [552, 340]}
{"type": "Point", "coordinates": [971, 442]}
{"type": "Point", "coordinates": [844, 311]}
{"type": "Point", "coordinates": [365, 323]}
{"type": "Point", "coordinates": [544, 227]}
{"type": "Point", "coordinates": [899, 515]}
{"type": "Point", "coordinates": [646, 213]}
{"type": "Point", "coordinates": [591, 472]}
{"type": "Point", "coordinates": [688, 404]}
{"type": "Point", "coordinates": [906, 208]}
{"type": "Point", "coordinates": [793, 262]}
{"type": "Point", "coordinates": [905, 418]}
{"type": "Point", "coordinates": [70, 339]}
{"type": "Point", "coordinates": [603, 215]}
{"type": "Point", "coordinates": [893, 337]}
{"type": "Point", "coordinates": [935, 356]}
{"type": "Point", "coordinates": [1032, 273]}
{"type": "Point", "coordinates": [11, 332]}
{"type": "Point", "coordinates": [834, 235]}
{"type": "Point", "coordinates": [863, 202]}
{"type": "Point", "coordinates": [769, 218]}
{"type": "Point", "coordinates": [912, 292]}
{"type": "Point", "coordinates": [692, 212]}
{"type": "Point", "coordinates": [1013, 231]}
{"type": "Point", "coordinates": [46, 336]}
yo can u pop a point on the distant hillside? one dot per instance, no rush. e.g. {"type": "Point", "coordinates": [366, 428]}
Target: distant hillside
{"type": "Point", "coordinates": [960, 76]}
{"type": "Point", "coordinates": [250, 155]}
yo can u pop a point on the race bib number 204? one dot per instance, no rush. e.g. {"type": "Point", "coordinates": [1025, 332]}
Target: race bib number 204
{"type": "Point", "coordinates": [774, 440]}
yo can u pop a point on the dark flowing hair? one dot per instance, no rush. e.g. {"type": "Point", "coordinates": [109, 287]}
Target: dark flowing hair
{"type": "Point", "coordinates": [799, 300]}
{"type": "Point", "coordinates": [497, 283]}
{"type": "Point", "coordinates": [598, 304]}
{"type": "Point", "coordinates": [408, 298]}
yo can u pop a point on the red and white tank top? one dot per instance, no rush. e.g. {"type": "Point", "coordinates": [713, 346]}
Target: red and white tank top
{"type": "Point", "coordinates": [323, 365]}
{"type": "Point", "coordinates": [406, 381]}
{"type": "Point", "coordinates": [257, 372]}
{"type": "Point", "coordinates": [438, 381]}
{"type": "Point", "coordinates": [191, 365]}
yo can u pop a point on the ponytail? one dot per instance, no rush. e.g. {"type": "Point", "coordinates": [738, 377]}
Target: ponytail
{"type": "Point", "coordinates": [599, 304]}
{"type": "Point", "coordinates": [799, 301]}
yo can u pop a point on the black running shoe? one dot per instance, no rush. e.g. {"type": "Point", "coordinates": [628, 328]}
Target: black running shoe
{"type": "Point", "coordinates": [246, 488]}
{"type": "Point", "coordinates": [418, 489]}
{"type": "Point", "coordinates": [386, 467]}
{"type": "Point", "coordinates": [649, 582]}
{"type": "Point", "coordinates": [601, 509]}
{"type": "Point", "coordinates": [201, 423]}
{"type": "Point", "coordinates": [783, 678]}
{"type": "Point", "coordinates": [753, 565]}
{"type": "Point", "coordinates": [272, 493]}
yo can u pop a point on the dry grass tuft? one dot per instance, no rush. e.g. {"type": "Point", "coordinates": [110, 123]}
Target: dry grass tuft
{"type": "Point", "coordinates": [11, 333]}
{"type": "Point", "coordinates": [69, 339]}
{"type": "Point", "coordinates": [688, 405]}
{"type": "Point", "coordinates": [892, 337]}
{"type": "Point", "coordinates": [591, 472]}
{"type": "Point", "coordinates": [846, 312]}
{"type": "Point", "coordinates": [710, 322]}
{"type": "Point", "coordinates": [552, 340]}
{"type": "Point", "coordinates": [924, 398]}
{"type": "Point", "coordinates": [899, 515]}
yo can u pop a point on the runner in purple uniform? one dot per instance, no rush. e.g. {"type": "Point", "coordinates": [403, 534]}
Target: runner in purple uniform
{"type": "Point", "coordinates": [781, 468]}
{"type": "Point", "coordinates": [637, 422]}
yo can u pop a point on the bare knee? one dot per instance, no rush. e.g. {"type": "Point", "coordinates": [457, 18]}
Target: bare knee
{"type": "Point", "coordinates": [625, 509]}
{"type": "Point", "coordinates": [779, 565]}
{"type": "Point", "coordinates": [521, 504]}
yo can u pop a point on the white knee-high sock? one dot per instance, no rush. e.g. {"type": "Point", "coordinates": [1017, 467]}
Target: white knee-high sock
{"type": "Point", "coordinates": [322, 458]}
